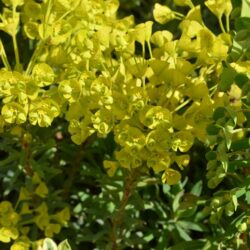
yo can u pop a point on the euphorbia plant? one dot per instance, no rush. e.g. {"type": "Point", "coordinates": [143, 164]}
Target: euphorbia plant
{"type": "Point", "coordinates": [153, 92]}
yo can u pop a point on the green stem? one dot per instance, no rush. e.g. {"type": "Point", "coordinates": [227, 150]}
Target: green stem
{"type": "Point", "coordinates": [4, 57]}
{"type": "Point", "coordinates": [150, 49]}
{"type": "Point", "coordinates": [241, 130]}
{"type": "Point", "coordinates": [46, 18]}
{"type": "Point", "coordinates": [76, 164]}
{"type": "Point", "coordinates": [227, 23]}
{"type": "Point", "coordinates": [117, 221]}
{"type": "Point", "coordinates": [27, 222]}
{"type": "Point", "coordinates": [221, 25]}
{"type": "Point", "coordinates": [179, 15]}
{"type": "Point", "coordinates": [235, 176]}
{"type": "Point", "coordinates": [182, 105]}
{"type": "Point", "coordinates": [16, 52]}
{"type": "Point", "coordinates": [34, 57]}
{"type": "Point", "coordinates": [143, 52]}
{"type": "Point", "coordinates": [137, 66]}
{"type": "Point", "coordinates": [213, 90]}
{"type": "Point", "coordinates": [179, 18]}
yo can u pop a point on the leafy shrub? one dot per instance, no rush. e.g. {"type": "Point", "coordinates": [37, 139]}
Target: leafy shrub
{"type": "Point", "coordinates": [105, 124]}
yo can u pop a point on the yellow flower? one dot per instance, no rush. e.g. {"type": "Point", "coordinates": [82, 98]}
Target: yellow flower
{"type": "Point", "coordinates": [124, 158]}
{"type": "Point", "coordinates": [43, 74]}
{"type": "Point", "coordinates": [154, 116]}
{"type": "Point", "coordinates": [70, 90]}
{"type": "Point", "coordinates": [43, 112]}
{"type": "Point", "coordinates": [129, 137]}
{"type": "Point", "coordinates": [159, 161]}
{"type": "Point", "coordinates": [14, 113]}
{"type": "Point", "coordinates": [158, 140]}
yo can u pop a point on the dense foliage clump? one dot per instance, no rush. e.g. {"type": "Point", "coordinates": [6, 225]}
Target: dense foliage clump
{"type": "Point", "coordinates": [161, 106]}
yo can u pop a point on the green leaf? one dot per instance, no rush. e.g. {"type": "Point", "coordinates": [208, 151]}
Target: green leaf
{"type": "Point", "coordinates": [241, 144]}
{"type": "Point", "coordinates": [191, 245]}
{"type": "Point", "coordinates": [183, 234]}
{"type": "Point", "coordinates": [228, 137]}
{"type": "Point", "coordinates": [227, 78]}
{"type": "Point", "coordinates": [248, 197]}
{"type": "Point", "coordinates": [189, 225]}
{"type": "Point", "coordinates": [212, 129]}
{"type": "Point", "coordinates": [233, 165]}
{"type": "Point", "coordinates": [197, 188]}
{"type": "Point", "coordinates": [64, 245]}
{"type": "Point", "coordinates": [235, 202]}
{"type": "Point", "coordinates": [176, 202]}
{"type": "Point", "coordinates": [211, 155]}
{"type": "Point", "coordinates": [242, 35]}
{"type": "Point", "coordinates": [241, 80]}
{"type": "Point", "coordinates": [242, 23]}
{"type": "Point", "coordinates": [219, 113]}
{"type": "Point", "coordinates": [148, 237]}
{"type": "Point", "coordinates": [236, 52]}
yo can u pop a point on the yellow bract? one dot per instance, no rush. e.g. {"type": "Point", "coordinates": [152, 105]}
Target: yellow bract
{"type": "Point", "coordinates": [183, 141]}
{"type": "Point", "coordinates": [20, 245]}
{"type": "Point", "coordinates": [43, 112]}
{"type": "Point", "coordinates": [43, 74]}
{"type": "Point", "coordinates": [162, 14]}
{"type": "Point", "coordinates": [159, 161]}
{"type": "Point", "coordinates": [143, 32]}
{"type": "Point", "coordinates": [184, 3]}
{"type": "Point", "coordinates": [111, 167]}
{"type": "Point", "coordinates": [219, 7]}
{"type": "Point", "coordinates": [159, 38]}
{"type": "Point", "coordinates": [70, 90]}
{"type": "Point", "coordinates": [8, 233]}
{"type": "Point", "coordinates": [13, 2]}
{"type": "Point", "coordinates": [171, 177]}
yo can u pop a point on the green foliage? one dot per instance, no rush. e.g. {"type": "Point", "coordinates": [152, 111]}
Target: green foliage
{"type": "Point", "coordinates": [105, 123]}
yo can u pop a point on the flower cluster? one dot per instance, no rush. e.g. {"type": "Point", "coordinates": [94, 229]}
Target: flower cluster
{"type": "Point", "coordinates": [85, 69]}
